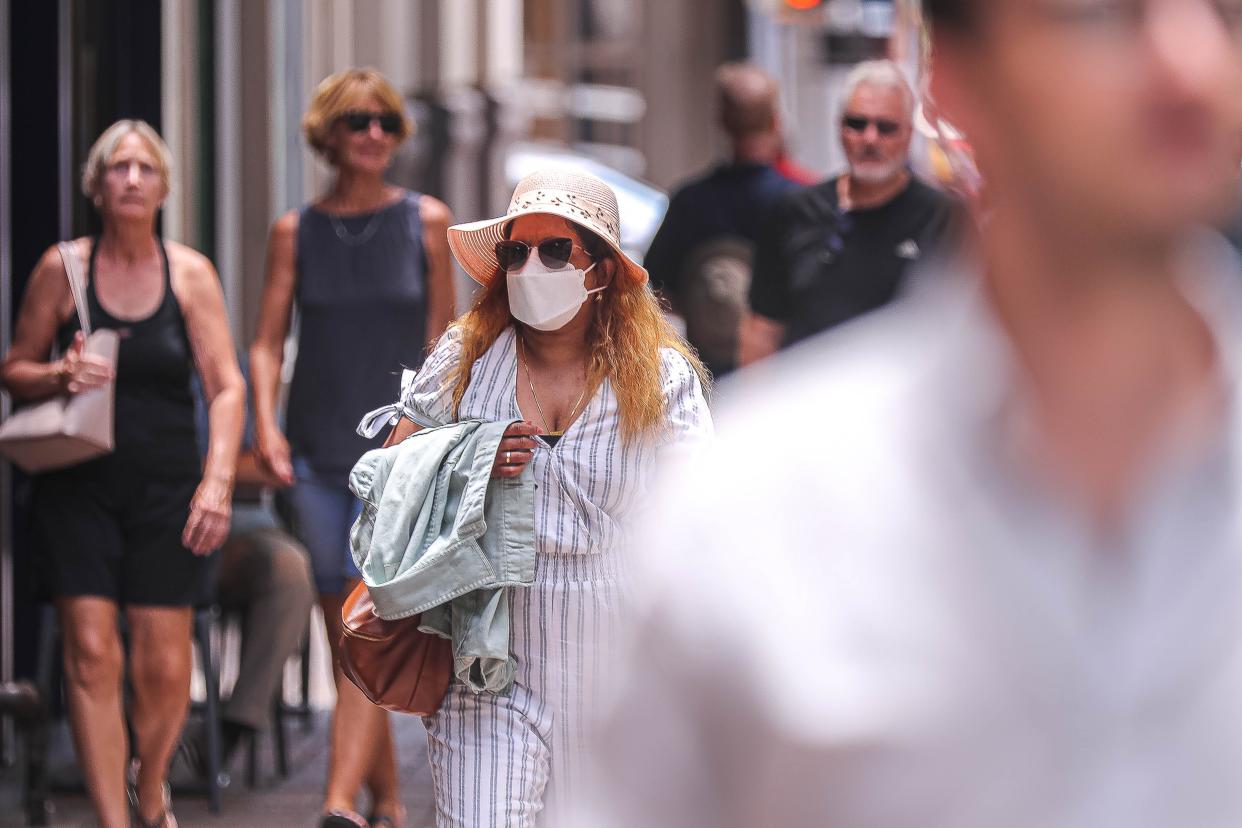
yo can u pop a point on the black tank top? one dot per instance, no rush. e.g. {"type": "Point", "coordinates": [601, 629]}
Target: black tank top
{"type": "Point", "coordinates": [155, 427]}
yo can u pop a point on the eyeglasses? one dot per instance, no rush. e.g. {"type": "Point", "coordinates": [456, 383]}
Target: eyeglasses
{"type": "Point", "coordinates": [554, 253]}
{"type": "Point", "coordinates": [857, 123]}
{"type": "Point", "coordinates": [359, 120]}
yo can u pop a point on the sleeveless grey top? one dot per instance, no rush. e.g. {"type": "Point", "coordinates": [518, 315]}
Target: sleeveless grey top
{"type": "Point", "coordinates": [362, 299]}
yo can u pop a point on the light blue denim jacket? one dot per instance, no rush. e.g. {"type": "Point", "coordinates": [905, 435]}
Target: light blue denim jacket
{"type": "Point", "coordinates": [438, 536]}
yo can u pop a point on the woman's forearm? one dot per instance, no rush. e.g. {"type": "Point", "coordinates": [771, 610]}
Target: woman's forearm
{"type": "Point", "coordinates": [265, 384]}
{"type": "Point", "coordinates": [28, 379]}
{"type": "Point", "coordinates": [404, 428]}
{"type": "Point", "coordinates": [225, 416]}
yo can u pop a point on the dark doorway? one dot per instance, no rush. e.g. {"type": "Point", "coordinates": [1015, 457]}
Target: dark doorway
{"type": "Point", "coordinates": [114, 67]}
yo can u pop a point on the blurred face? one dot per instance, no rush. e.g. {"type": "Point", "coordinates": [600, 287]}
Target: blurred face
{"type": "Point", "coordinates": [875, 133]}
{"type": "Point", "coordinates": [358, 139]}
{"type": "Point", "coordinates": [131, 186]}
{"type": "Point", "coordinates": [1121, 116]}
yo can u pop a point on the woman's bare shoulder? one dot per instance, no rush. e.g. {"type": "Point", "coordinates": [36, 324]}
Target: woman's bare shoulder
{"type": "Point", "coordinates": [188, 262]}
{"type": "Point", "coordinates": [194, 281]}
{"type": "Point", "coordinates": [433, 211]}
{"type": "Point", "coordinates": [286, 227]}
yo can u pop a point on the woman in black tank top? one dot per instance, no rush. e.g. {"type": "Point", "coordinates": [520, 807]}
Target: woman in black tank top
{"type": "Point", "coordinates": [135, 529]}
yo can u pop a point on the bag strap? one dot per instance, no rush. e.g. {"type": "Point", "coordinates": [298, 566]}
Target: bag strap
{"type": "Point", "coordinates": [77, 284]}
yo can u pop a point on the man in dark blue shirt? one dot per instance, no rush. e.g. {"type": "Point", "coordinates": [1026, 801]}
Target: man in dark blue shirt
{"type": "Point", "coordinates": [700, 258]}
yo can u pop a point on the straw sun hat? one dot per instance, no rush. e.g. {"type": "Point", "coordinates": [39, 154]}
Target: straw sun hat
{"type": "Point", "coordinates": [576, 196]}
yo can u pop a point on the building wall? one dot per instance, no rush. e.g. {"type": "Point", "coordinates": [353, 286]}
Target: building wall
{"type": "Point", "coordinates": [257, 167]}
{"type": "Point", "coordinates": [686, 42]}
{"type": "Point", "coordinates": [475, 71]}
{"type": "Point", "coordinates": [68, 69]}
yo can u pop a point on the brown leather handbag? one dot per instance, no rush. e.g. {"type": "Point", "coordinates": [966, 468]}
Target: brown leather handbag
{"type": "Point", "coordinates": [393, 663]}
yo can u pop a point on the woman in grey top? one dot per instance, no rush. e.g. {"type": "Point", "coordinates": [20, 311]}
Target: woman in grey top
{"type": "Point", "coordinates": [368, 268]}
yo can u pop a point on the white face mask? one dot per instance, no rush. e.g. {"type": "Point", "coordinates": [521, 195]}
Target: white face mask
{"type": "Point", "coordinates": [547, 299]}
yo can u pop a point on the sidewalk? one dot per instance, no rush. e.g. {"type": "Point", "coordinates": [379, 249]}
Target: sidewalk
{"type": "Point", "coordinates": [273, 803]}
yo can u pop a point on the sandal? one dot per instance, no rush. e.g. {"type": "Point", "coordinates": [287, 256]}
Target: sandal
{"type": "Point", "coordinates": [164, 820]}
{"type": "Point", "coordinates": [343, 819]}
{"type": "Point", "coordinates": [380, 819]}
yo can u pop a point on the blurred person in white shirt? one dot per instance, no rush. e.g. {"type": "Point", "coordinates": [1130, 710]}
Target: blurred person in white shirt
{"type": "Point", "coordinates": [976, 560]}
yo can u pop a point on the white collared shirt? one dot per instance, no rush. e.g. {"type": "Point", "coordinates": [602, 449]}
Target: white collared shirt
{"type": "Point", "coordinates": [855, 613]}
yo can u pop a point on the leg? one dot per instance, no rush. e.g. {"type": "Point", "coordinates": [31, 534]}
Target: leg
{"type": "Point", "coordinates": [161, 580]}
{"type": "Point", "coordinates": [75, 517]}
{"type": "Point", "coordinates": [160, 674]}
{"type": "Point", "coordinates": [266, 575]}
{"type": "Point", "coordinates": [383, 782]}
{"type": "Point", "coordinates": [381, 778]}
{"type": "Point", "coordinates": [360, 748]}
{"type": "Point", "coordinates": [489, 759]}
{"type": "Point", "coordinates": [94, 666]}
{"type": "Point", "coordinates": [361, 735]}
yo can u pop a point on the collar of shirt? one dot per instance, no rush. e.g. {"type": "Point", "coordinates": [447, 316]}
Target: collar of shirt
{"type": "Point", "coordinates": [977, 375]}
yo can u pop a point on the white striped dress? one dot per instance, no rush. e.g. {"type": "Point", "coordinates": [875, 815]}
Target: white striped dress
{"type": "Point", "coordinates": [497, 760]}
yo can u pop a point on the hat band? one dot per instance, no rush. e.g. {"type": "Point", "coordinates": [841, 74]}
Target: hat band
{"type": "Point", "coordinates": [564, 202]}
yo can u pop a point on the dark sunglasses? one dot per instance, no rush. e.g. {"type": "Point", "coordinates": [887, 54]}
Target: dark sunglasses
{"type": "Point", "coordinates": [554, 253]}
{"type": "Point", "coordinates": [885, 127]}
{"type": "Point", "coordinates": [360, 121]}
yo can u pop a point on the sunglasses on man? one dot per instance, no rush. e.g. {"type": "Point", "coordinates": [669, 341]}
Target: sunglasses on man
{"type": "Point", "coordinates": [857, 123]}
{"type": "Point", "coordinates": [554, 253]}
{"type": "Point", "coordinates": [358, 120]}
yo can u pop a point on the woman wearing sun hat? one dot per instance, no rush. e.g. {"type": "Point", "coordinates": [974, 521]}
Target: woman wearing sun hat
{"type": "Point", "coordinates": [567, 335]}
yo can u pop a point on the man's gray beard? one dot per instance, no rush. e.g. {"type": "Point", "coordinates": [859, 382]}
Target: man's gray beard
{"type": "Point", "coordinates": [874, 173]}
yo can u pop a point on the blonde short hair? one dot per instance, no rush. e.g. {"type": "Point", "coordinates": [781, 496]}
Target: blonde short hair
{"type": "Point", "coordinates": [105, 145]}
{"type": "Point", "coordinates": [748, 98]}
{"type": "Point", "coordinates": [337, 94]}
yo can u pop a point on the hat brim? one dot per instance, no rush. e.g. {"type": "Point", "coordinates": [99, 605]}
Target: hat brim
{"type": "Point", "coordinates": [474, 246]}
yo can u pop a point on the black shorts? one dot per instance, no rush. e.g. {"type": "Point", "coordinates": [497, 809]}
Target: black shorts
{"type": "Point", "coordinates": [111, 530]}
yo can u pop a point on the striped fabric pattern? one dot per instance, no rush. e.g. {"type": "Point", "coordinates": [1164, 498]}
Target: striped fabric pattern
{"type": "Point", "coordinates": [499, 760]}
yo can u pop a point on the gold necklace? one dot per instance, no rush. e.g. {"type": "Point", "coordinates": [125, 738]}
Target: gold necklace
{"type": "Point", "coordinates": [572, 413]}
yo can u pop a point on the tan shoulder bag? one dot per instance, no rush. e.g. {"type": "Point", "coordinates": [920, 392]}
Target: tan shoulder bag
{"type": "Point", "coordinates": [69, 428]}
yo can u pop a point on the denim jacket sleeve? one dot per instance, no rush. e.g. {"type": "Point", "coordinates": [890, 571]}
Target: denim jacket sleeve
{"type": "Point", "coordinates": [437, 530]}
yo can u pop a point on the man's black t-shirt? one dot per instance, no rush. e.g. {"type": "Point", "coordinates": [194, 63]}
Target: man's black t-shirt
{"type": "Point", "coordinates": [731, 200]}
{"type": "Point", "coordinates": [817, 267]}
